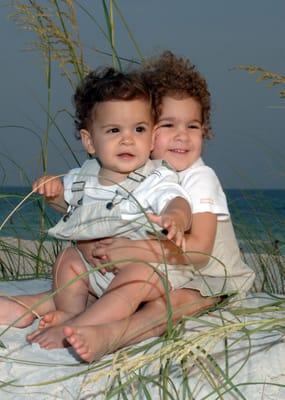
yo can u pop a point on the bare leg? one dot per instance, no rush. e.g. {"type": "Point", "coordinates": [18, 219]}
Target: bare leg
{"type": "Point", "coordinates": [71, 294]}
{"type": "Point", "coordinates": [133, 285]}
{"type": "Point", "coordinates": [66, 303]}
{"type": "Point", "coordinates": [13, 310]}
{"type": "Point", "coordinates": [92, 342]}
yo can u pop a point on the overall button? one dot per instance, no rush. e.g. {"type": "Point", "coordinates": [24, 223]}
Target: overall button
{"type": "Point", "coordinates": [65, 217]}
{"type": "Point", "coordinates": [109, 205]}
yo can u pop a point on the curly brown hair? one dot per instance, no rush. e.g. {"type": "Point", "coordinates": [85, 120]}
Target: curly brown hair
{"type": "Point", "coordinates": [105, 85]}
{"type": "Point", "coordinates": [169, 75]}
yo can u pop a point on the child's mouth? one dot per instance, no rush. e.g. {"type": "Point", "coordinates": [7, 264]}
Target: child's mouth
{"type": "Point", "coordinates": [126, 156]}
{"type": "Point", "coordinates": [179, 151]}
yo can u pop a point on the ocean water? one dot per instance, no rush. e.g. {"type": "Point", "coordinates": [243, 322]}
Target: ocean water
{"type": "Point", "coordinates": [258, 215]}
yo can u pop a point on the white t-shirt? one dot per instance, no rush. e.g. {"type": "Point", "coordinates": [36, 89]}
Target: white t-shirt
{"type": "Point", "coordinates": [203, 185]}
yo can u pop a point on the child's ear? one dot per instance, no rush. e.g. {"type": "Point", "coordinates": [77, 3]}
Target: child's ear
{"type": "Point", "coordinates": [87, 141]}
{"type": "Point", "coordinates": [154, 133]}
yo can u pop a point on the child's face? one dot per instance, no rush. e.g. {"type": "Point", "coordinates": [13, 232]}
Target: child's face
{"type": "Point", "coordinates": [179, 132]}
{"type": "Point", "coordinates": [121, 136]}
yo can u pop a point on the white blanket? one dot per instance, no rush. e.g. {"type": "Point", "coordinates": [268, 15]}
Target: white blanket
{"type": "Point", "coordinates": [253, 367]}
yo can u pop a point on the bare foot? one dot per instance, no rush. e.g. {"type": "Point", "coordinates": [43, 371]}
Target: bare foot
{"type": "Point", "coordinates": [89, 342]}
{"type": "Point", "coordinates": [49, 338]}
{"type": "Point", "coordinates": [20, 311]}
{"type": "Point", "coordinates": [13, 311]}
{"type": "Point", "coordinates": [54, 318]}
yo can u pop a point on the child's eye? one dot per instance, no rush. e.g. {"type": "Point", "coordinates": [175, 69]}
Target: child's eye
{"type": "Point", "coordinates": [194, 126]}
{"type": "Point", "coordinates": [113, 130]}
{"type": "Point", "coordinates": [166, 125]}
{"type": "Point", "coordinates": [140, 129]}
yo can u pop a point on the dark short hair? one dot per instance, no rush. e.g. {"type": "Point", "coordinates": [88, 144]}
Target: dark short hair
{"type": "Point", "coordinates": [105, 85]}
{"type": "Point", "coordinates": [169, 75]}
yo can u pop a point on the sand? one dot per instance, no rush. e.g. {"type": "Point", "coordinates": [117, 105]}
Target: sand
{"type": "Point", "coordinates": [20, 256]}
{"type": "Point", "coordinates": [27, 370]}
{"type": "Point", "coordinates": [256, 368]}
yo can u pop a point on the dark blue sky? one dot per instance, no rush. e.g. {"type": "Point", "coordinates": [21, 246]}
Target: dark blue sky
{"type": "Point", "coordinates": [248, 117]}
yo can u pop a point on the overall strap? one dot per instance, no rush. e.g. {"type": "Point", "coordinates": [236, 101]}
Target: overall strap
{"type": "Point", "coordinates": [133, 180]}
{"type": "Point", "coordinates": [139, 175]}
{"type": "Point", "coordinates": [125, 188]}
{"type": "Point", "coordinates": [88, 168]}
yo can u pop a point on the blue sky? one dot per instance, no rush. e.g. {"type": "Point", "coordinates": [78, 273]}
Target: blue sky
{"type": "Point", "coordinates": [217, 35]}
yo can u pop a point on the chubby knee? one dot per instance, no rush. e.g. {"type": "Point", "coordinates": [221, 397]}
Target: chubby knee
{"type": "Point", "coordinates": [69, 259]}
{"type": "Point", "coordinates": [68, 252]}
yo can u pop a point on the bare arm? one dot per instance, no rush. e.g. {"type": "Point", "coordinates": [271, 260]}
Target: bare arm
{"type": "Point", "coordinates": [176, 218]}
{"type": "Point", "coordinates": [200, 239]}
{"type": "Point", "coordinates": [51, 187]}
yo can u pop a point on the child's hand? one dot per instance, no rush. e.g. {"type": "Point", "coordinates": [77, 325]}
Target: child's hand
{"type": "Point", "coordinates": [110, 250]}
{"type": "Point", "coordinates": [49, 186]}
{"type": "Point", "coordinates": [88, 249]}
{"type": "Point", "coordinates": [113, 249]}
{"type": "Point", "coordinates": [174, 225]}
{"type": "Point", "coordinates": [95, 252]}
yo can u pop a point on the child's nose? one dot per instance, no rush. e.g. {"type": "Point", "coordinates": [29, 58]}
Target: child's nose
{"type": "Point", "coordinates": [127, 137]}
{"type": "Point", "coordinates": [181, 133]}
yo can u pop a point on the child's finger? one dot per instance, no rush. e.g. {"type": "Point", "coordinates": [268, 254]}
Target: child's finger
{"type": "Point", "coordinates": [100, 252]}
{"type": "Point", "coordinates": [34, 186]}
{"type": "Point", "coordinates": [179, 239]}
{"type": "Point", "coordinates": [156, 219]}
{"type": "Point", "coordinates": [183, 244]}
{"type": "Point", "coordinates": [106, 241]}
{"type": "Point", "coordinates": [53, 189]}
{"type": "Point", "coordinates": [103, 270]}
{"type": "Point", "coordinates": [172, 230]}
{"type": "Point", "coordinates": [38, 187]}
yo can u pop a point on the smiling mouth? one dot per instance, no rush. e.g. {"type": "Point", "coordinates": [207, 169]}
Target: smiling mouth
{"type": "Point", "coordinates": [179, 151]}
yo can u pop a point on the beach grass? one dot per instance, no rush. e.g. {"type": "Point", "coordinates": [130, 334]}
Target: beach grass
{"type": "Point", "coordinates": [136, 371]}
